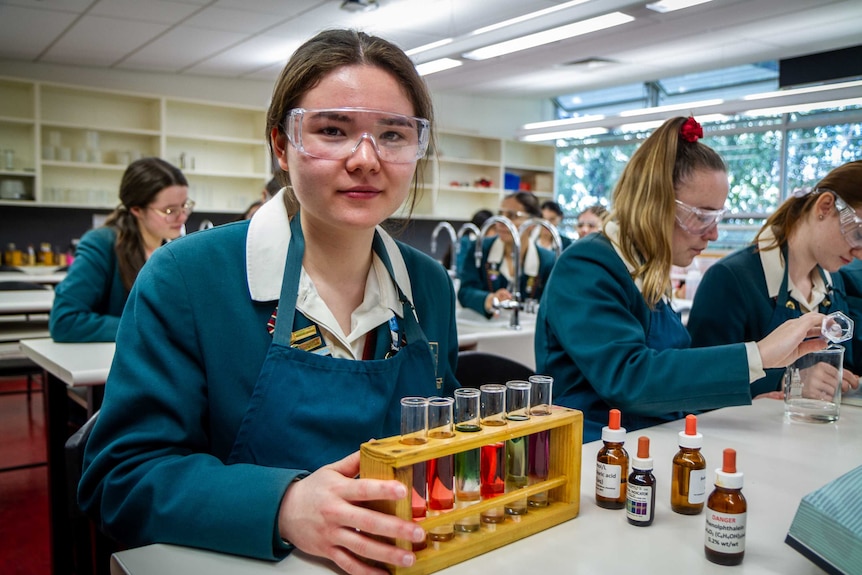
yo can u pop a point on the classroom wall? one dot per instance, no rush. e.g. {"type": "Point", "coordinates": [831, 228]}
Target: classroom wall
{"type": "Point", "coordinates": [494, 117]}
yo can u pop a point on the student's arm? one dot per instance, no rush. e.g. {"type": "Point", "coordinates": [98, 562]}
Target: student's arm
{"type": "Point", "coordinates": [88, 302]}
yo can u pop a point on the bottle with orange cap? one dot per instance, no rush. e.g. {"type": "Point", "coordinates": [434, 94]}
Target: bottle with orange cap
{"type": "Point", "coordinates": [724, 540]}
{"type": "Point", "coordinates": [688, 473]}
{"type": "Point", "coordinates": [612, 465]}
{"type": "Point", "coordinates": [640, 491]}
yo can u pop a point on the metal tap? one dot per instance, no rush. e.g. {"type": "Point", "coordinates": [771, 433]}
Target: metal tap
{"type": "Point", "coordinates": [515, 303]}
{"type": "Point", "coordinates": [468, 227]}
{"type": "Point", "coordinates": [531, 305]}
{"type": "Point", "coordinates": [453, 238]}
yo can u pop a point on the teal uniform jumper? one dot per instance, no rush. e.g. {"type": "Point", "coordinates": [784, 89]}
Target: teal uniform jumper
{"type": "Point", "coordinates": [477, 282]}
{"type": "Point", "coordinates": [208, 417]}
{"type": "Point", "coordinates": [732, 304]}
{"type": "Point", "coordinates": [605, 348]}
{"type": "Point", "coordinates": [90, 299]}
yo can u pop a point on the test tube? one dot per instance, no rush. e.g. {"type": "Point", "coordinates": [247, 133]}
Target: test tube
{"type": "Point", "coordinates": [414, 420]}
{"type": "Point", "coordinates": [440, 470]}
{"type": "Point", "coordinates": [492, 460]}
{"type": "Point", "coordinates": [539, 442]}
{"type": "Point", "coordinates": [517, 452]}
{"type": "Point", "coordinates": [467, 478]}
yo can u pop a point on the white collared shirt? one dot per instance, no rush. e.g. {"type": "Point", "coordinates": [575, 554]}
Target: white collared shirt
{"type": "Point", "coordinates": [530, 264]}
{"type": "Point", "coordinates": [266, 251]}
{"type": "Point", "coordinates": [773, 269]}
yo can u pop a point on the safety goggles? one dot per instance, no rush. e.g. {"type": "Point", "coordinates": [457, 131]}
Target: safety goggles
{"type": "Point", "coordinates": [851, 224]}
{"type": "Point", "coordinates": [697, 221]}
{"type": "Point", "coordinates": [336, 133]}
{"type": "Point", "coordinates": [173, 214]}
{"type": "Point", "coordinates": [512, 215]}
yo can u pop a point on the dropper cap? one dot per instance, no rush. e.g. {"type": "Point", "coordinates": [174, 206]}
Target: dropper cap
{"type": "Point", "coordinates": [612, 432]}
{"type": "Point", "coordinates": [690, 438]}
{"type": "Point", "coordinates": [642, 461]}
{"type": "Point", "coordinates": [727, 476]}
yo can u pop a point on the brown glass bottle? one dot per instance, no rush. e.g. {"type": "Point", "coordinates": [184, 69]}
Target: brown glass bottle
{"type": "Point", "coordinates": [688, 472]}
{"type": "Point", "coordinates": [640, 490]}
{"type": "Point", "coordinates": [612, 465]}
{"type": "Point", "coordinates": [724, 540]}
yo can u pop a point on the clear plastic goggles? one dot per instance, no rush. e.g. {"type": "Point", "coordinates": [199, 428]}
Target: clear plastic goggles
{"type": "Point", "coordinates": [336, 133]}
{"type": "Point", "coordinates": [697, 221]}
{"type": "Point", "coordinates": [851, 224]}
{"type": "Point", "coordinates": [173, 214]}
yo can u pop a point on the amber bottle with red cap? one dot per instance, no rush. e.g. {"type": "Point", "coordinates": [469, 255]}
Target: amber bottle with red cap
{"type": "Point", "coordinates": [688, 472]}
{"type": "Point", "coordinates": [640, 491]}
{"type": "Point", "coordinates": [612, 465]}
{"type": "Point", "coordinates": [724, 540]}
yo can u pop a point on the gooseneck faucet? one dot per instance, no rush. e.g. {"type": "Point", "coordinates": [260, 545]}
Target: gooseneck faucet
{"type": "Point", "coordinates": [556, 240]}
{"type": "Point", "coordinates": [469, 227]}
{"type": "Point", "coordinates": [453, 238]}
{"type": "Point", "coordinates": [515, 303]}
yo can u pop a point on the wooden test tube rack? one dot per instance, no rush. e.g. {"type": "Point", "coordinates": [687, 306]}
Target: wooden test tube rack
{"type": "Point", "coordinates": [391, 459]}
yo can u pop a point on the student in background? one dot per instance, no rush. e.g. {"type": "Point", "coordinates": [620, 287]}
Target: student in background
{"type": "Point", "coordinates": [553, 214]}
{"type": "Point", "coordinates": [591, 220]}
{"type": "Point", "coordinates": [154, 207]}
{"type": "Point", "coordinates": [272, 187]}
{"type": "Point", "coordinates": [605, 328]}
{"type": "Point", "coordinates": [495, 274]}
{"type": "Point", "coordinates": [258, 355]}
{"type": "Point", "coordinates": [465, 244]}
{"type": "Point", "coordinates": [788, 270]}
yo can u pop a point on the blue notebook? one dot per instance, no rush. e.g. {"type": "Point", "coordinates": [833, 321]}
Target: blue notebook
{"type": "Point", "coordinates": [827, 528]}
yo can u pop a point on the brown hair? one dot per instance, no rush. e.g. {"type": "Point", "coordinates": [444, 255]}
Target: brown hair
{"type": "Point", "coordinates": [328, 51]}
{"type": "Point", "coordinates": [528, 201]}
{"type": "Point", "coordinates": [142, 180]}
{"type": "Point", "coordinates": [644, 206]}
{"type": "Point", "coordinates": [844, 181]}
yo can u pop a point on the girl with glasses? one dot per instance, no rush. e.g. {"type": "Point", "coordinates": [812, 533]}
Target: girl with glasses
{"type": "Point", "coordinates": [259, 355]}
{"type": "Point", "coordinates": [605, 328]}
{"type": "Point", "coordinates": [154, 206]}
{"type": "Point", "coordinates": [591, 220]}
{"type": "Point", "coordinates": [789, 269]}
{"type": "Point", "coordinates": [494, 277]}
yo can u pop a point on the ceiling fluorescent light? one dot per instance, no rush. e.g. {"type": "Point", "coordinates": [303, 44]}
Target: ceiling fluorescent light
{"type": "Point", "coordinates": [791, 108]}
{"type": "Point", "coordinates": [359, 5]}
{"type": "Point", "coordinates": [426, 47]}
{"type": "Point", "coordinates": [807, 90]}
{"type": "Point", "coordinates": [565, 122]}
{"type": "Point", "coordinates": [548, 36]}
{"type": "Point", "coordinates": [670, 108]}
{"type": "Point", "coordinates": [671, 5]}
{"type": "Point", "coordinates": [437, 66]}
{"type": "Point", "coordinates": [526, 17]}
{"type": "Point", "coordinates": [652, 124]}
{"type": "Point", "coordinates": [565, 134]}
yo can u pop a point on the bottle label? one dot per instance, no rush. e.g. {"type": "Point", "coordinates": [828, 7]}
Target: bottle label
{"type": "Point", "coordinates": [608, 480]}
{"type": "Point", "coordinates": [638, 500]}
{"type": "Point", "coordinates": [697, 486]}
{"type": "Point", "coordinates": [725, 532]}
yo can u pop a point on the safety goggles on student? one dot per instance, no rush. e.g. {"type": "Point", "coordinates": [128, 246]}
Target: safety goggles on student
{"type": "Point", "coordinates": [851, 224]}
{"type": "Point", "coordinates": [512, 215]}
{"type": "Point", "coordinates": [697, 221]}
{"type": "Point", "coordinates": [173, 214]}
{"type": "Point", "coordinates": [336, 133]}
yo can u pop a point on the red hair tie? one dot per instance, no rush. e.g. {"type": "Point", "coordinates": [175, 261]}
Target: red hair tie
{"type": "Point", "coordinates": [691, 131]}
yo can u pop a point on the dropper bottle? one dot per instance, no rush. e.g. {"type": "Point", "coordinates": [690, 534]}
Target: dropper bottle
{"type": "Point", "coordinates": [640, 491]}
{"type": "Point", "coordinates": [612, 465]}
{"type": "Point", "coordinates": [688, 473]}
{"type": "Point", "coordinates": [724, 540]}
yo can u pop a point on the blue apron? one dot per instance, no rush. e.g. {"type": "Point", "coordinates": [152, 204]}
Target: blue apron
{"type": "Point", "coordinates": [665, 329]}
{"type": "Point", "coordinates": [308, 410]}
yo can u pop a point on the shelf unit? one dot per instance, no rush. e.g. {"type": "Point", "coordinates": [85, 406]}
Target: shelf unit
{"type": "Point", "coordinates": [71, 145]}
{"type": "Point", "coordinates": [460, 160]}
{"type": "Point", "coordinates": [391, 459]}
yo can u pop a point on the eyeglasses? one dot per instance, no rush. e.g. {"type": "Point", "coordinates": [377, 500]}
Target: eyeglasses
{"type": "Point", "coordinates": [171, 215]}
{"type": "Point", "coordinates": [588, 225]}
{"type": "Point", "coordinates": [697, 221]}
{"type": "Point", "coordinates": [513, 215]}
{"type": "Point", "coordinates": [851, 224]}
{"type": "Point", "coordinates": [336, 133]}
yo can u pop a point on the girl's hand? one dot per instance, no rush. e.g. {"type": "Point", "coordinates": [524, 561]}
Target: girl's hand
{"type": "Point", "coordinates": [323, 515]}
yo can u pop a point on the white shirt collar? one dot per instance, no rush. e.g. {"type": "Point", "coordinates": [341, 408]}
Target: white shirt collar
{"type": "Point", "coordinates": [773, 264]}
{"type": "Point", "coordinates": [266, 251]}
{"type": "Point", "coordinates": [530, 264]}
